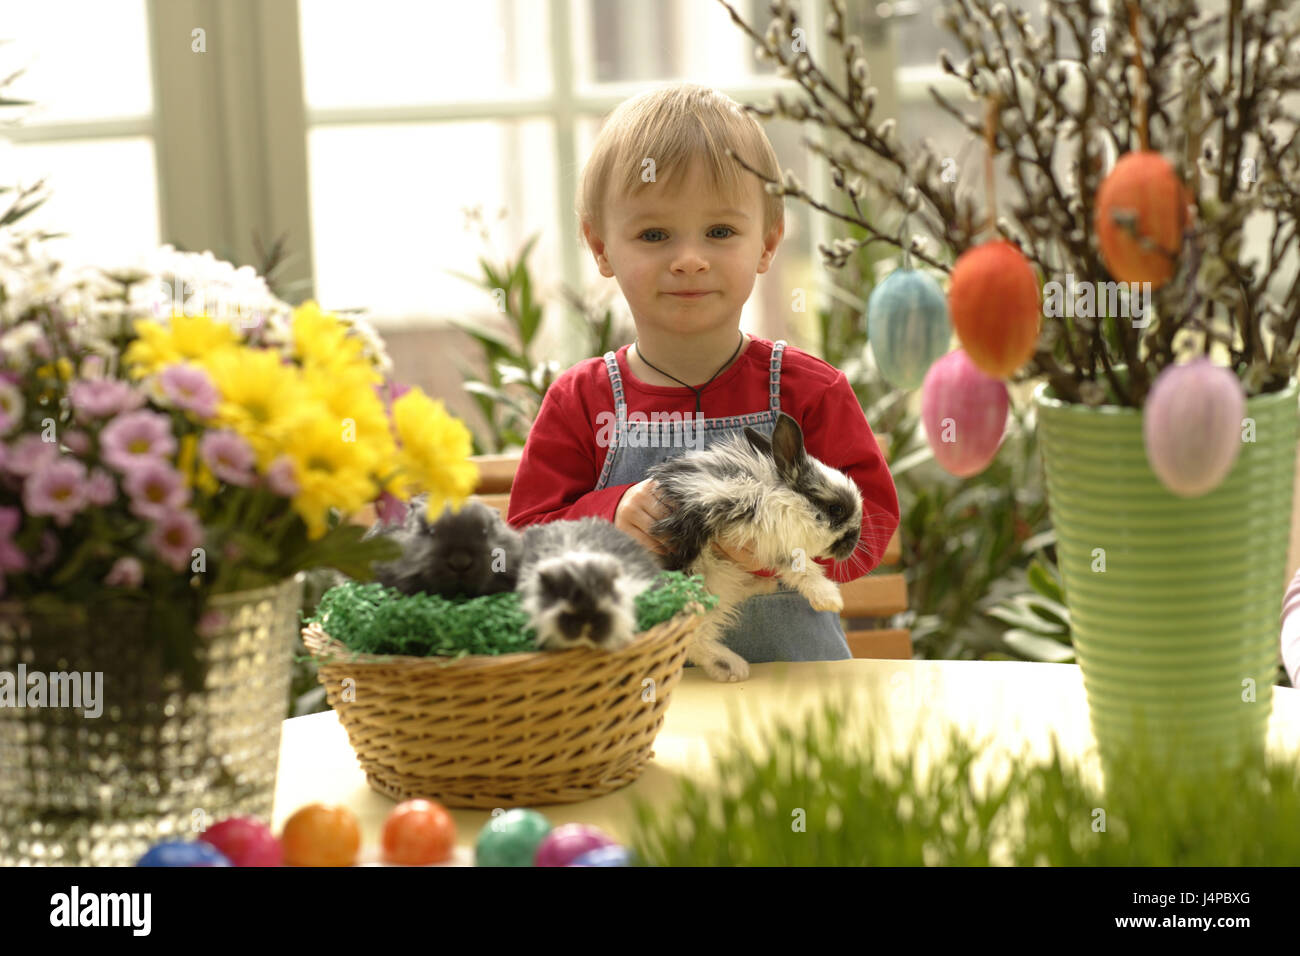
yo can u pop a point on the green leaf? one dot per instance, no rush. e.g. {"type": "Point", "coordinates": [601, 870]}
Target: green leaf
{"type": "Point", "coordinates": [1038, 648]}
{"type": "Point", "coordinates": [1018, 613]}
{"type": "Point", "coordinates": [1045, 582]}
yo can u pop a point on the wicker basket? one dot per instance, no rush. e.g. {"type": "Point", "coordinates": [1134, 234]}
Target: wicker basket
{"type": "Point", "coordinates": [516, 730]}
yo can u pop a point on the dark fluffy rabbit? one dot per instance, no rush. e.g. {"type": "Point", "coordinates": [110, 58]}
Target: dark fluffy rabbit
{"type": "Point", "coordinates": [768, 495]}
{"type": "Point", "coordinates": [467, 553]}
{"type": "Point", "coordinates": [579, 581]}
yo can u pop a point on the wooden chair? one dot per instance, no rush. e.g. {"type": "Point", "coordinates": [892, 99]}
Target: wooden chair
{"type": "Point", "coordinates": [875, 596]}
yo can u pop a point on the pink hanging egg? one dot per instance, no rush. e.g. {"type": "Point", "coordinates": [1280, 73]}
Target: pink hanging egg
{"type": "Point", "coordinates": [1192, 426]}
{"type": "Point", "coordinates": [965, 414]}
{"type": "Point", "coordinates": [245, 841]}
{"type": "Point", "coordinates": [569, 841]}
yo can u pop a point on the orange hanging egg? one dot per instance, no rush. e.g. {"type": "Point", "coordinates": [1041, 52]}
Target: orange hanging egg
{"type": "Point", "coordinates": [993, 301]}
{"type": "Point", "coordinates": [1142, 210]}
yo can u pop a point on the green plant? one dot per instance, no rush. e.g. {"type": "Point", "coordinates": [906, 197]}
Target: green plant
{"type": "Point", "coordinates": [830, 795]}
{"type": "Point", "coordinates": [1038, 618]}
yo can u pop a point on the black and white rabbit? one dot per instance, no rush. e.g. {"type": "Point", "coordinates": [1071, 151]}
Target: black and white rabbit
{"type": "Point", "coordinates": [767, 495]}
{"type": "Point", "coordinates": [579, 581]}
{"type": "Point", "coordinates": [466, 553]}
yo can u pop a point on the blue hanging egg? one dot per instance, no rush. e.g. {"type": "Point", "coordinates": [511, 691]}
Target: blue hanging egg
{"type": "Point", "coordinates": [908, 325]}
{"type": "Point", "coordinates": [613, 855]}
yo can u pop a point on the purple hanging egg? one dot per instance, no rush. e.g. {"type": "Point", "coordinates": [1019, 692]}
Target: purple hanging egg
{"type": "Point", "coordinates": [908, 326]}
{"type": "Point", "coordinates": [965, 414]}
{"type": "Point", "coordinates": [1192, 426]}
{"type": "Point", "coordinates": [566, 843]}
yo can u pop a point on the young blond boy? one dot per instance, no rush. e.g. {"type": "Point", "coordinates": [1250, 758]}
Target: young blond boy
{"type": "Point", "coordinates": [685, 230]}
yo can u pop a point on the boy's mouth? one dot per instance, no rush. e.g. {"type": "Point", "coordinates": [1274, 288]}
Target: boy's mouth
{"type": "Point", "coordinates": [689, 295]}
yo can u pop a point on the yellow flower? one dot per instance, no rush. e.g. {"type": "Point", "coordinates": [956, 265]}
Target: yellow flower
{"type": "Point", "coordinates": [329, 471]}
{"type": "Point", "coordinates": [262, 399]}
{"type": "Point", "coordinates": [193, 470]}
{"type": "Point", "coordinates": [435, 452]}
{"type": "Point", "coordinates": [352, 403]}
{"type": "Point", "coordinates": [321, 338]}
{"type": "Point", "coordinates": [188, 338]}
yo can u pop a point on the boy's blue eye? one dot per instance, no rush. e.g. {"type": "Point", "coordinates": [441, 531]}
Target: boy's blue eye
{"type": "Point", "coordinates": [729, 230]}
{"type": "Point", "coordinates": [643, 235]}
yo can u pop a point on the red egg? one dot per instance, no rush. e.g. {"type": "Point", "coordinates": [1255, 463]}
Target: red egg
{"type": "Point", "coordinates": [965, 414]}
{"type": "Point", "coordinates": [995, 306]}
{"type": "Point", "coordinates": [245, 841]}
{"type": "Point", "coordinates": [1142, 210]}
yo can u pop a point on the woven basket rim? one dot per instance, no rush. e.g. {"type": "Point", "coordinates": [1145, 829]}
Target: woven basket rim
{"type": "Point", "coordinates": [342, 653]}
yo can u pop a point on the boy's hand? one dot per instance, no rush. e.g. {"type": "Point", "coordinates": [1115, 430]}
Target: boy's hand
{"type": "Point", "coordinates": [742, 556]}
{"type": "Point", "coordinates": [638, 510]}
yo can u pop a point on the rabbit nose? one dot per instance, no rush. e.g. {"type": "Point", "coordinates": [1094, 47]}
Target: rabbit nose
{"type": "Point", "coordinates": [459, 562]}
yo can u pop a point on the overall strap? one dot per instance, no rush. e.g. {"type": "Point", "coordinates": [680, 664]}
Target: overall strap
{"type": "Point", "coordinates": [774, 376]}
{"type": "Point", "coordinates": [616, 382]}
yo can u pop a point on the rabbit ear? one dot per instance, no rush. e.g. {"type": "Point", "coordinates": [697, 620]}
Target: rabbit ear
{"type": "Point", "coordinates": [760, 442]}
{"type": "Point", "coordinates": [787, 443]}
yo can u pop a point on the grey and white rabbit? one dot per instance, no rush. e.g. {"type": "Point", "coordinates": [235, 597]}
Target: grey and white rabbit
{"type": "Point", "coordinates": [768, 495]}
{"type": "Point", "coordinates": [466, 553]}
{"type": "Point", "coordinates": [579, 581]}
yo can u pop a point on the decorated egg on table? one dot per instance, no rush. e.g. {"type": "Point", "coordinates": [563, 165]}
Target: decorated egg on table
{"type": "Point", "coordinates": [181, 853]}
{"type": "Point", "coordinates": [319, 835]}
{"type": "Point", "coordinates": [511, 839]}
{"type": "Point", "coordinates": [417, 833]}
{"type": "Point", "coordinates": [908, 326]}
{"type": "Point", "coordinates": [612, 855]}
{"type": "Point", "coordinates": [965, 414]}
{"type": "Point", "coordinates": [245, 841]}
{"type": "Point", "coordinates": [1141, 211]}
{"type": "Point", "coordinates": [995, 305]}
{"type": "Point", "coordinates": [1191, 425]}
{"type": "Point", "coordinates": [566, 843]}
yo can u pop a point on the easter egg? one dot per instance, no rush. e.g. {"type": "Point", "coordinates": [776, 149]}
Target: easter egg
{"type": "Point", "coordinates": [511, 839]}
{"type": "Point", "coordinates": [1141, 211]}
{"type": "Point", "coordinates": [179, 853]}
{"type": "Point", "coordinates": [317, 835]}
{"type": "Point", "coordinates": [245, 841]}
{"type": "Point", "coordinates": [566, 843]}
{"type": "Point", "coordinates": [418, 832]}
{"type": "Point", "coordinates": [993, 299]}
{"type": "Point", "coordinates": [965, 414]}
{"type": "Point", "coordinates": [1192, 426]}
{"type": "Point", "coordinates": [612, 855]}
{"type": "Point", "coordinates": [908, 326]}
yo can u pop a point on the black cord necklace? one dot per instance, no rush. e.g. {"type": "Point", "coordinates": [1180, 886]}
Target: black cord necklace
{"type": "Point", "coordinates": [697, 391]}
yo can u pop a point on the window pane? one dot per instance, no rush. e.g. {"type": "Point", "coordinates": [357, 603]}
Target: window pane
{"type": "Point", "coordinates": [387, 221]}
{"type": "Point", "coordinates": [768, 310]}
{"type": "Point", "coordinates": [105, 225]}
{"type": "Point", "coordinates": [84, 59]}
{"type": "Point", "coordinates": [404, 52]}
{"type": "Point", "coordinates": [617, 41]}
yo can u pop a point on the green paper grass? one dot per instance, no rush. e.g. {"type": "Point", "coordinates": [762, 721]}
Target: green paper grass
{"type": "Point", "coordinates": [373, 619]}
{"type": "Point", "coordinates": [824, 796]}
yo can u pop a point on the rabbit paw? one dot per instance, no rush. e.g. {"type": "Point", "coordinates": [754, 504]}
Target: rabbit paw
{"type": "Point", "coordinates": [824, 595]}
{"type": "Point", "coordinates": [724, 665]}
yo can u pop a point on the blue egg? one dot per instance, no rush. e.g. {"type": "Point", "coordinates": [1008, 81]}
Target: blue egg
{"type": "Point", "coordinates": [613, 855]}
{"type": "Point", "coordinates": [197, 853]}
{"type": "Point", "coordinates": [908, 326]}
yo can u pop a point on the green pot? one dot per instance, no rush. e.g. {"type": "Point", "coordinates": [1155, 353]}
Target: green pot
{"type": "Point", "coordinates": [1178, 636]}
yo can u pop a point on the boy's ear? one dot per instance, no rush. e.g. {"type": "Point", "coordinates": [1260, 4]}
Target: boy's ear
{"type": "Point", "coordinates": [597, 247]}
{"type": "Point", "coordinates": [770, 242]}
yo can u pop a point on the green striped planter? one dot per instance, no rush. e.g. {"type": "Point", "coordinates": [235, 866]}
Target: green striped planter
{"type": "Point", "coordinates": [1181, 626]}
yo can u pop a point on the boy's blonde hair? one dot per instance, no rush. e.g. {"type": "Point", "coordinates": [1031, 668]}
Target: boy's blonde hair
{"type": "Point", "coordinates": [673, 126]}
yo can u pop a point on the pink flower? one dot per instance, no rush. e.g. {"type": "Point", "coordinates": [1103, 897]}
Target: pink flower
{"type": "Point", "coordinates": [136, 437]}
{"type": "Point", "coordinates": [175, 537]}
{"type": "Point", "coordinates": [280, 477]}
{"type": "Point", "coordinates": [58, 489]}
{"type": "Point", "coordinates": [30, 454]}
{"type": "Point", "coordinates": [230, 457]}
{"type": "Point", "coordinates": [126, 572]}
{"type": "Point", "coordinates": [190, 388]}
{"type": "Point", "coordinates": [156, 489]}
{"type": "Point", "coordinates": [390, 509]}
{"type": "Point", "coordinates": [103, 398]}
{"type": "Point", "coordinates": [78, 442]}
{"type": "Point", "coordinates": [101, 490]}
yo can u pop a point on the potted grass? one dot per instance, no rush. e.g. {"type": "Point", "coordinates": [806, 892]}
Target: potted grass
{"type": "Point", "coordinates": [1120, 280]}
{"type": "Point", "coordinates": [176, 445]}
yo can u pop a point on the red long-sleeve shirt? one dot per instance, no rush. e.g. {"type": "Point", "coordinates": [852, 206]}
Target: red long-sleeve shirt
{"type": "Point", "coordinates": [562, 459]}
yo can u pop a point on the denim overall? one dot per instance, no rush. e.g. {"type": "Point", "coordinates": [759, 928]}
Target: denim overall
{"type": "Point", "coordinates": [772, 627]}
